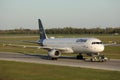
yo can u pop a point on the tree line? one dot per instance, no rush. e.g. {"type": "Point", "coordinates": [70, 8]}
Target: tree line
{"type": "Point", "coordinates": [66, 30]}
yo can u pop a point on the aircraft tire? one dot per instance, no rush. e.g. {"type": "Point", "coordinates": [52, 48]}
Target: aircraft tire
{"type": "Point", "coordinates": [54, 58]}
{"type": "Point", "coordinates": [79, 57]}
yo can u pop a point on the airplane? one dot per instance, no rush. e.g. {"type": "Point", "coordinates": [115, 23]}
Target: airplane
{"type": "Point", "coordinates": [56, 46]}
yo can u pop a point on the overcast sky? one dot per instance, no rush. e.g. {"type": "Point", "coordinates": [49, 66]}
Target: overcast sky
{"type": "Point", "coordinates": [59, 13]}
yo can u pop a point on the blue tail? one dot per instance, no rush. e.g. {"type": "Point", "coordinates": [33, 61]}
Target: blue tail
{"type": "Point", "coordinates": [42, 32]}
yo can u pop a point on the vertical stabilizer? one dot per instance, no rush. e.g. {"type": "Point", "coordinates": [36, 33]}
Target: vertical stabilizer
{"type": "Point", "coordinates": [42, 31]}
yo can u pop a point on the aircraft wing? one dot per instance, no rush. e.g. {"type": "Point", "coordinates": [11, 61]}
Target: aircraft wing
{"type": "Point", "coordinates": [112, 44]}
{"type": "Point", "coordinates": [24, 46]}
{"type": "Point", "coordinates": [62, 49]}
{"type": "Point", "coordinates": [36, 42]}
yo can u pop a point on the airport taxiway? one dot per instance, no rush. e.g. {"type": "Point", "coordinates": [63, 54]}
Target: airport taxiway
{"type": "Point", "coordinates": [113, 64]}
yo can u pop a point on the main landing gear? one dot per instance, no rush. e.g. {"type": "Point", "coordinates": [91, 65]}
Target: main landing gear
{"type": "Point", "coordinates": [54, 58]}
{"type": "Point", "coordinates": [80, 56]}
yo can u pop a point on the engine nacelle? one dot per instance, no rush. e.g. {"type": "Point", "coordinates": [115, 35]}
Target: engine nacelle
{"type": "Point", "coordinates": [54, 53]}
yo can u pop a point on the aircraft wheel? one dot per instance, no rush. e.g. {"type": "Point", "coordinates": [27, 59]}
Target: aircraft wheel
{"type": "Point", "coordinates": [54, 58]}
{"type": "Point", "coordinates": [79, 56]}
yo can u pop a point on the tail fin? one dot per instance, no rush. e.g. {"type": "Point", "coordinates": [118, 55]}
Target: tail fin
{"type": "Point", "coordinates": [42, 31]}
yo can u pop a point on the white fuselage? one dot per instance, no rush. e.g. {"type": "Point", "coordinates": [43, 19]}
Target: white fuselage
{"type": "Point", "coordinates": [76, 45]}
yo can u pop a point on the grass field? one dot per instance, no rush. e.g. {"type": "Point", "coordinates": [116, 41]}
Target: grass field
{"type": "Point", "coordinates": [28, 71]}
{"type": "Point", "coordinates": [110, 51]}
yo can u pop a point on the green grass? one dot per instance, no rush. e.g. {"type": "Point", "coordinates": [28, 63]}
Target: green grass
{"type": "Point", "coordinates": [110, 51]}
{"type": "Point", "coordinates": [22, 50]}
{"type": "Point", "coordinates": [28, 71]}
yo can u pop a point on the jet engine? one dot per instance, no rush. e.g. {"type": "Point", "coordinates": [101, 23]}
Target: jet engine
{"type": "Point", "coordinates": [54, 54]}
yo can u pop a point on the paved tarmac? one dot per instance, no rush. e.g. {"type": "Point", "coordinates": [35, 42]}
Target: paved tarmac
{"type": "Point", "coordinates": [113, 64]}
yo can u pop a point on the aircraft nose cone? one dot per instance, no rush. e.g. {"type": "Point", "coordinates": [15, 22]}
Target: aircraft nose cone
{"type": "Point", "coordinates": [101, 48]}
{"type": "Point", "coordinates": [98, 48]}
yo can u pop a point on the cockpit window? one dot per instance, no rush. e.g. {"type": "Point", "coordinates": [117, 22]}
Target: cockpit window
{"type": "Point", "coordinates": [81, 40]}
{"type": "Point", "coordinates": [96, 42]}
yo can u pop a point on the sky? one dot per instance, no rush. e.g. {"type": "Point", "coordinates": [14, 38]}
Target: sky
{"type": "Point", "coordinates": [15, 14]}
